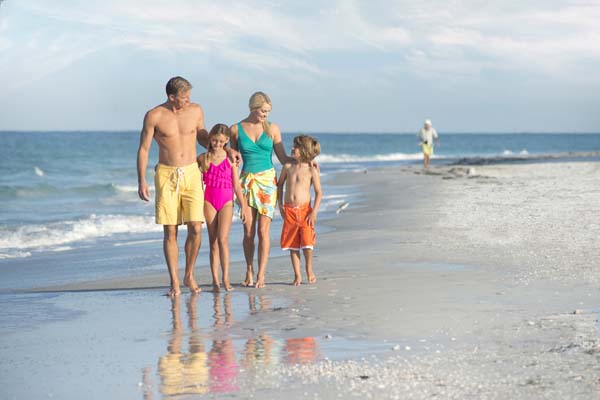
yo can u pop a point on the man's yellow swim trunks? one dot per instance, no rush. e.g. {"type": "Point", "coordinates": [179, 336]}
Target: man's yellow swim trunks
{"type": "Point", "coordinates": [179, 194]}
{"type": "Point", "coordinates": [427, 148]}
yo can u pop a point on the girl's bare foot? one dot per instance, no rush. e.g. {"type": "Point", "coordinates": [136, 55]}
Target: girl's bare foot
{"type": "Point", "coordinates": [190, 282]}
{"type": "Point", "coordinates": [216, 287]}
{"type": "Point", "coordinates": [297, 281]}
{"type": "Point", "coordinates": [260, 282]}
{"type": "Point", "coordinates": [173, 292]}
{"type": "Point", "coordinates": [312, 279]}
{"type": "Point", "coordinates": [228, 286]}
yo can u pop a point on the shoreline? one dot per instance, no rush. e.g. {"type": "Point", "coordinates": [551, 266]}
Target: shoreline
{"type": "Point", "coordinates": [470, 285]}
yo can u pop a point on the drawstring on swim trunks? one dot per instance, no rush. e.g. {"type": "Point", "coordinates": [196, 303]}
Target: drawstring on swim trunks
{"type": "Point", "coordinates": [178, 174]}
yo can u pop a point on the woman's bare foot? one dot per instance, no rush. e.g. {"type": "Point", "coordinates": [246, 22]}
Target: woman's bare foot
{"type": "Point", "coordinates": [260, 282]}
{"type": "Point", "coordinates": [248, 282]}
{"type": "Point", "coordinates": [173, 292]}
{"type": "Point", "coordinates": [190, 282]}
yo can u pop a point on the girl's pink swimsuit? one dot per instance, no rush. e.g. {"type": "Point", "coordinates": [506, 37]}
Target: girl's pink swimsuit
{"type": "Point", "coordinates": [219, 185]}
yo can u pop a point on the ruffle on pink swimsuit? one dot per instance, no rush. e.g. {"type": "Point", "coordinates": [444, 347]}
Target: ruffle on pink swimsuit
{"type": "Point", "coordinates": [219, 185]}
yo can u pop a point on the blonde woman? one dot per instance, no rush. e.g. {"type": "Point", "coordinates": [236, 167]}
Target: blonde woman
{"type": "Point", "coordinates": [256, 138]}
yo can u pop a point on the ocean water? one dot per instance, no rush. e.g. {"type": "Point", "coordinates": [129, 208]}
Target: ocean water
{"type": "Point", "coordinates": [69, 204]}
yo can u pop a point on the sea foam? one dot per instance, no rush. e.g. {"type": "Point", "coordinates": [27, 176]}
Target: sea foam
{"type": "Point", "coordinates": [19, 241]}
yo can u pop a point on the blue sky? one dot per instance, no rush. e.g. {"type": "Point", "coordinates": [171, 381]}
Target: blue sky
{"type": "Point", "coordinates": [329, 66]}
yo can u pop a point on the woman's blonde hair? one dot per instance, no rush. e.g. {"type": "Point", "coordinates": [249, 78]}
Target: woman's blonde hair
{"type": "Point", "coordinates": [308, 146]}
{"type": "Point", "coordinates": [257, 100]}
{"type": "Point", "coordinates": [218, 129]}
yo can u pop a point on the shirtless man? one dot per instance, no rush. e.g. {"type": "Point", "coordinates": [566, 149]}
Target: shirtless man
{"type": "Point", "coordinates": [176, 125]}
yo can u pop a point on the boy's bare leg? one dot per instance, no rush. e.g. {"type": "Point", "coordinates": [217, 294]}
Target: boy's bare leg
{"type": "Point", "coordinates": [264, 247]}
{"type": "Point", "coordinates": [171, 252]}
{"type": "Point", "coordinates": [308, 253]}
{"type": "Point", "coordinates": [192, 246]}
{"type": "Point", "coordinates": [248, 244]}
{"type": "Point", "coordinates": [295, 257]}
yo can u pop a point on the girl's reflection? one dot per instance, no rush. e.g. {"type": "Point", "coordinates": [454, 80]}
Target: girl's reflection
{"type": "Point", "coordinates": [223, 366]}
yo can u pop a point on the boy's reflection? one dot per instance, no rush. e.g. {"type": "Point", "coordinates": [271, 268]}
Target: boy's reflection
{"type": "Point", "coordinates": [184, 373]}
{"type": "Point", "coordinates": [223, 366]}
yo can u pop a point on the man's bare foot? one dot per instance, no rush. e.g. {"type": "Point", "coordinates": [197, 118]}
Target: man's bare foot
{"type": "Point", "coordinates": [297, 281]}
{"type": "Point", "coordinates": [173, 292]}
{"type": "Point", "coordinates": [312, 279]}
{"type": "Point", "coordinates": [228, 286]}
{"type": "Point", "coordinates": [248, 281]}
{"type": "Point", "coordinates": [260, 282]}
{"type": "Point", "coordinates": [190, 282]}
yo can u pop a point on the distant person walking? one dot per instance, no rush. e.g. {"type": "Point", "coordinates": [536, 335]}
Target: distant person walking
{"type": "Point", "coordinates": [175, 125]}
{"type": "Point", "coordinates": [426, 137]}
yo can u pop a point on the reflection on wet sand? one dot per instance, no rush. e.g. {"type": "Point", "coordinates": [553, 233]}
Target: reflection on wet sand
{"type": "Point", "coordinates": [224, 369]}
{"type": "Point", "coordinates": [301, 350]}
{"type": "Point", "coordinates": [258, 350]}
{"type": "Point", "coordinates": [184, 373]}
{"type": "Point", "coordinates": [191, 370]}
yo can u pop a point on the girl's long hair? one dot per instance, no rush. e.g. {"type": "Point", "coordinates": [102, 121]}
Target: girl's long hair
{"type": "Point", "coordinates": [218, 129]}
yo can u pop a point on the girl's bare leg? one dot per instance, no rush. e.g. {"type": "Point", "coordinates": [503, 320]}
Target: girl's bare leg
{"type": "Point", "coordinates": [212, 226]}
{"type": "Point", "coordinates": [264, 247]}
{"type": "Point", "coordinates": [224, 217]}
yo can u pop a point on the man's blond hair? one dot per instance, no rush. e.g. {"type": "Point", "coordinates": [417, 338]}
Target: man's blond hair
{"type": "Point", "coordinates": [178, 85]}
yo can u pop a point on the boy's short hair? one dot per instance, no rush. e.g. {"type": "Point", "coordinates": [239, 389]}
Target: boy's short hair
{"type": "Point", "coordinates": [308, 146]}
{"type": "Point", "coordinates": [177, 85]}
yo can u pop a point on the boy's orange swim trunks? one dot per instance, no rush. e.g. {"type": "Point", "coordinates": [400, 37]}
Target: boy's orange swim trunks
{"type": "Point", "coordinates": [296, 234]}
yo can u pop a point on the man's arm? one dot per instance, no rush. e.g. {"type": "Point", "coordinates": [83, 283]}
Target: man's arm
{"type": "Point", "coordinates": [201, 132]}
{"type": "Point", "coordinates": [142, 155]}
{"type": "Point", "coordinates": [316, 181]}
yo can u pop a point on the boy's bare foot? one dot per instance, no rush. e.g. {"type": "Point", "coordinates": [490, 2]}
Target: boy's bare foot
{"type": "Point", "coordinates": [260, 282]}
{"type": "Point", "coordinates": [248, 281]}
{"type": "Point", "coordinates": [312, 279]}
{"type": "Point", "coordinates": [190, 282]}
{"type": "Point", "coordinates": [173, 292]}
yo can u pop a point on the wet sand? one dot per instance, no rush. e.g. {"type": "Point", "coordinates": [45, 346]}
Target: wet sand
{"type": "Point", "coordinates": [466, 282]}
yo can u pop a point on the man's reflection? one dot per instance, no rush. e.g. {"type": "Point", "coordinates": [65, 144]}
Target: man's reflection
{"type": "Point", "coordinates": [223, 366]}
{"type": "Point", "coordinates": [184, 373]}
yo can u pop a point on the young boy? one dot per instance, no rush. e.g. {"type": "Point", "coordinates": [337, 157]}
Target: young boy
{"type": "Point", "coordinates": [299, 217]}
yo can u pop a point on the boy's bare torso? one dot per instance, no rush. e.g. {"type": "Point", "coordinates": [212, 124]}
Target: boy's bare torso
{"type": "Point", "coordinates": [297, 184]}
{"type": "Point", "coordinates": [175, 133]}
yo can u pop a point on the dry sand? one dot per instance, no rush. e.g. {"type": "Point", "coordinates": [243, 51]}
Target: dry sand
{"type": "Point", "coordinates": [480, 282]}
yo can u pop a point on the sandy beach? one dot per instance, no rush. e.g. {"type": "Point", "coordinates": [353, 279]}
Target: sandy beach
{"type": "Point", "coordinates": [466, 282]}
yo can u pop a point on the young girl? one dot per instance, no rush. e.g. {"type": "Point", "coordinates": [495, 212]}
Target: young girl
{"type": "Point", "coordinates": [221, 180]}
